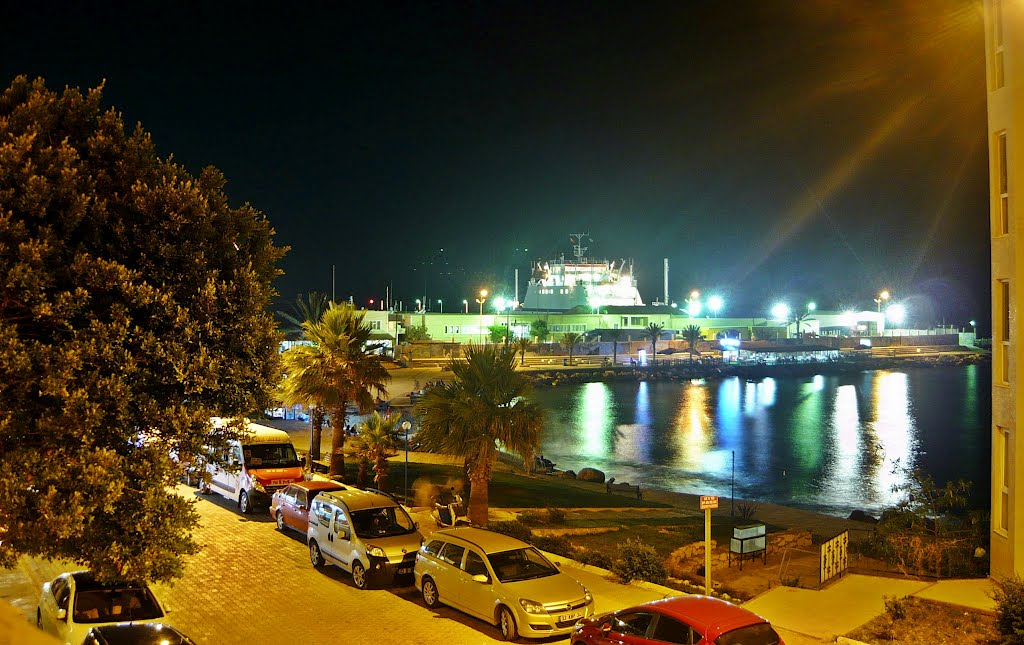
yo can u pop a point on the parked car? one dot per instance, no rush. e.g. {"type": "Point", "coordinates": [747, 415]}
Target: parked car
{"type": "Point", "coordinates": [290, 505]}
{"type": "Point", "coordinates": [74, 603]}
{"type": "Point", "coordinates": [501, 580]}
{"type": "Point", "coordinates": [137, 634]}
{"type": "Point", "coordinates": [681, 619]}
{"type": "Point", "coordinates": [365, 533]}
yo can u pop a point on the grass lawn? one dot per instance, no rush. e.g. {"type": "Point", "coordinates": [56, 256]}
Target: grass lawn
{"type": "Point", "coordinates": [509, 490]}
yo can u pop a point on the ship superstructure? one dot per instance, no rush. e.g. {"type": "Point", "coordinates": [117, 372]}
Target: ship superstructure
{"type": "Point", "coordinates": [558, 285]}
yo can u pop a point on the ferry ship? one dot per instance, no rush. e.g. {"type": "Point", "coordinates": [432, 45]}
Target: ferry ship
{"type": "Point", "coordinates": [559, 285]}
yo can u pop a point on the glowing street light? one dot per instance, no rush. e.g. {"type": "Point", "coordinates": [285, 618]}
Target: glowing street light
{"type": "Point", "coordinates": [780, 311]}
{"type": "Point", "coordinates": [896, 314]}
{"type": "Point", "coordinates": [419, 305]}
{"type": "Point", "coordinates": [480, 301]}
{"type": "Point", "coordinates": [882, 297]}
{"type": "Point", "coordinates": [465, 305]}
{"type": "Point", "coordinates": [715, 304]}
{"type": "Point", "coordinates": [693, 303]}
{"type": "Point", "coordinates": [440, 306]}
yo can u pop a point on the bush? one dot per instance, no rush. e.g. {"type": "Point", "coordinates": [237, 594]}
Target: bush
{"type": "Point", "coordinates": [532, 517]}
{"type": "Point", "coordinates": [556, 516]}
{"type": "Point", "coordinates": [512, 528]}
{"type": "Point", "coordinates": [557, 544]}
{"type": "Point", "coordinates": [746, 511]}
{"type": "Point", "coordinates": [638, 561]}
{"type": "Point", "coordinates": [594, 559]}
{"type": "Point", "coordinates": [1010, 610]}
{"type": "Point", "coordinates": [896, 607]}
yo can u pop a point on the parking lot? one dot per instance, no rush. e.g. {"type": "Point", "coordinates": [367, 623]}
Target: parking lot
{"type": "Point", "coordinates": [255, 586]}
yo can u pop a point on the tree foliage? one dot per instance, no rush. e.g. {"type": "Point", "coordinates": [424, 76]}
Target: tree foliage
{"type": "Point", "coordinates": [377, 440]}
{"type": "Point", "coordinates": [653, 332]}
{"type": "Point", "coordinates": [312, 307]}
{"type": "Point", "coordinates": [133, 307]}
{"type": "Point", "coordinates": [539, 330]}
{"type": "Point", "coordinates": [693, 335]}
{"type": "Point", "coordinates": [416, 332]}
{"type": "Point", "coordinates": [521, 346]}
{"type": "Point", "coordinates": [337, 366]}
{"type": "Point", "coordinates": [484, 409]}
{"type": "Point", "coordinates": [571, 339]}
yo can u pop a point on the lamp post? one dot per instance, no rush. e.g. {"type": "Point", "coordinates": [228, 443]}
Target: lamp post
{"type": "Point", "coordinates": [882, 297]}
{"type": "Point", "coordinates": [405, 426]}
{"type": "Point", "coordinates": [480, 301]}
{"type": "Point", "coordinates": [693, 304]}
{"type": "Point", "coordinates": [440, 306]}
{"type": "Point", "coordinates": [419, 305]}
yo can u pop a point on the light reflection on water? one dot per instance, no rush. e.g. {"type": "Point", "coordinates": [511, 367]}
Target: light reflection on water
{"type": "Point", "coordinates": [830, 443]}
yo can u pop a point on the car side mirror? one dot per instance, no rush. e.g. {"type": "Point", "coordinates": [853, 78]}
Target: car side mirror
{"type": "Point", "coordinates": [62, 614]}
{"type": "Point", "coordinates": [481, 578]}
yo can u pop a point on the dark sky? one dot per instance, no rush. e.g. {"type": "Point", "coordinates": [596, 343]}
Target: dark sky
{"type": "Point", "coordinates": [801, 150]}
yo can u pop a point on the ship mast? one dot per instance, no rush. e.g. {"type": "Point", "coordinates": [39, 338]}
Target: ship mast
{"type": "Point", "coordinates": [577, 248]}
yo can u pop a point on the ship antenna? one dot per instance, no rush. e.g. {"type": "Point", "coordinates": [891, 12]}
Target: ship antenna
{"type": "Point", "coordinates": [577, 249]}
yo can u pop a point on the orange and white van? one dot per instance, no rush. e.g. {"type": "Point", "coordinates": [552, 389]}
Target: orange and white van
{"type": "Point", "coordinates": [255, 466]}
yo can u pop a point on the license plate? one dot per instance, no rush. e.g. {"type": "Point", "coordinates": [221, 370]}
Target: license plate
{"type": "Point", "coordinates": [576, 615]}
{"type": "Point", "coordinates": [280, 482]}
{"type": "Point", "coordinates": [404, 570]}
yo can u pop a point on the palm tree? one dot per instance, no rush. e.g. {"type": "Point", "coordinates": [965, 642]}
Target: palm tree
{"type": "Point", "coordinates": [483, 410]}
{"type": "Point", "coordinates": [653, 331]}
{"type": "Point", "coordinates": [693, 335]}
{"type": "Point", "coordinates": [377, 440]}
{"type": "Point", "coordinates": [521, 345]}
{"type": "Point", "coordinates": [615, 335]}
{"type": "Point", "coordinates": [336, 368]}
{"type": "Point", "coordinates": [311, 309]}
{"type": "Point", "coordinates": [571, 339]}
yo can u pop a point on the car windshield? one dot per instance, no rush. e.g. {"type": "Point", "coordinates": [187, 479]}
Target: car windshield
{"type": "Point", "coordinates": [382, 522]}
{"type": "Point", "coordinates": [521, 564]}
{"type": "Point", "coordinates": [759, 634]}
{"type": "Point", "coordinates": [271, 455]}
{"type": "Point", "coordinates": [115, 604]}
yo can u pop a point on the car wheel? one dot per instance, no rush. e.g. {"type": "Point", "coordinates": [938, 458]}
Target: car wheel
{"type": "Point", "coordinates": [507, 622]}
{"type": "Point", "coordinates": [280, 522]}
{"type": "Point", "coordinates": [244, 504]}
{"type": "Point", "coordinates": [430, 598]}
{"type": "Point", "coordinates": [359, 575]}
{"type": "Point", "coordinates": [315, 557]}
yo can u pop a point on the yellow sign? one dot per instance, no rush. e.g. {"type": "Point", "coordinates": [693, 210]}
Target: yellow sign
{"type": "Point", "coordinates": [708, 502]}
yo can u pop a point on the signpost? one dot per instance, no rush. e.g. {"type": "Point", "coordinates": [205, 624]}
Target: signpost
{"type": "Point", "coordinates": [707, 502]}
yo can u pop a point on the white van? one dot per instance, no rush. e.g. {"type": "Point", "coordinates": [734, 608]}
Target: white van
{"type": "Point", "coordinates": [364, 533]}
{"type": "Point", "coordinates": [256, 466]}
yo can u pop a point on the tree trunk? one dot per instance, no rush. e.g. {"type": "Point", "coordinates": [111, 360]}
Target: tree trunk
{"type": "Point", "coordinates": [338, 443]}
{"type": "Point", "coordinates": [480, 479]}
{"type": "Point", "coordinates": [615, 352]}
{"type": "Point", "coordinates": [317, 419]}
{"type": "Point", "coordinates": [380, 473]}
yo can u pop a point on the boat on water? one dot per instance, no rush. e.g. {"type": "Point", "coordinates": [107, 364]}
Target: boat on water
{"type": "Point", "coordinates": [561, 285]}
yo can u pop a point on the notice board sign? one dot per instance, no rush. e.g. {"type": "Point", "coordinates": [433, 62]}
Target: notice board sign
{"type": "Point", "coordinates": [708, 502]}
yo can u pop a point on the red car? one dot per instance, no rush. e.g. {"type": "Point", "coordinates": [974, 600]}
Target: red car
{"type": "Point", "coordinates": [290, 505]}
{"type": "Point", "coordinates": [687, 620]}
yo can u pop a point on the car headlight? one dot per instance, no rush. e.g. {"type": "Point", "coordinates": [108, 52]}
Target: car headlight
{"type": "Point", "coordinates": [587, 596]}
{"type": "Point", "coordinates": [375, 551]}
{"type": "Point", "coordinates": [532, 606]}
{"type": "Point", "coordinates": [256, 485]}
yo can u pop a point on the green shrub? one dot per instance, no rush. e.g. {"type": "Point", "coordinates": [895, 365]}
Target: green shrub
{"type": "Point", "coordinates": [638, 561]}
{"type": "Point", "coordinates": [557, 544]}
{"type": "Point", "coordinates": [556, 516]}
{"type": "Point", "coordinates": [594, 559]}
{"type": "Point", "coordinates": [1010, 610]}
{"type": "Point", "coordinates": [746, 511]}
{"type": "Point", "coordinates": [512, 528]}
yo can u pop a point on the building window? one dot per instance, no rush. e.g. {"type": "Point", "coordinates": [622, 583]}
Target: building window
{"type": "Point", "coordinates": [1003, 465]}
{"type": "Point", "coordinates": [1004, 184]}
{"type": "Point", "coordinates": [451, 329]}
{"type": "Point", "coordinates": [998, 76]}
{"type": "Point", "coordinates": [374, 324]}
{"type": "Point", "coordinates": [1004, 329]}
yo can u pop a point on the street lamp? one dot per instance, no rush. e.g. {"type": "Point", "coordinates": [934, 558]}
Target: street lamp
{"type": "Point", "coordinates": [419, 305]}
{"type": "Point", "coordinates": [405, 426]}
{"type": "Point", "coordinates": [715, 304]}
{"type": "Point", "coordinates": [882, 297]}
{"type": "Point", "coordinates": [693, 303]}
{"type": "Point", "coordinates": [480, 301]}
{"type": "Point", "coordinates": [440, 306]}
{"type": "Point", "coordinates": [465, 305]}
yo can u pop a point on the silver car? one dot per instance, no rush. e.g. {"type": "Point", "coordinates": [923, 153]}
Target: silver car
{"type": "Point", "coordinates": [74, 603]}
{"type": "Point", "coordinates": [501, 580]}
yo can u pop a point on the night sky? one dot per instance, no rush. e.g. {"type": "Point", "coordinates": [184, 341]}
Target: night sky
{"type": "Point", "coordinates": [800, 150]}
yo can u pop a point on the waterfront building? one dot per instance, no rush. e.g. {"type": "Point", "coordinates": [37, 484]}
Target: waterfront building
{"type": "Point", "coordinates": [1004, 63]}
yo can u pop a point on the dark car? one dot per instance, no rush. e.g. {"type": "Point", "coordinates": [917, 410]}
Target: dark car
{"type": "Point", "coordinates": [137, 634]}
{"type": "Point", "coordinates": [290, 505]}
{"type": "Point", "coordinates": [683, 619]}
